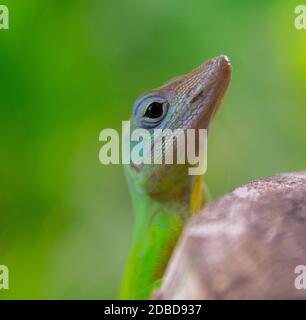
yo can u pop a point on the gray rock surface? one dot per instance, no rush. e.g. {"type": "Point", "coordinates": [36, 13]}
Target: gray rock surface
{"type": "Point", "coordinates": [245, 245]}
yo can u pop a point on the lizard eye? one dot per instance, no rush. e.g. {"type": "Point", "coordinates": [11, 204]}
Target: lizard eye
{"type": "Point", "coordinates": [154, 110]}
{"type": "Point", "coordinates": [151, 111]}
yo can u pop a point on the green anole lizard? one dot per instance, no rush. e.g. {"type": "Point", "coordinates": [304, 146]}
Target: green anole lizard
{"type": "Point", "coordinates": [165, 195]}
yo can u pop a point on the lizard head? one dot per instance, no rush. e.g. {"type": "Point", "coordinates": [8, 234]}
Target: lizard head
{"type": "Point", "coordinates": [187, 102]}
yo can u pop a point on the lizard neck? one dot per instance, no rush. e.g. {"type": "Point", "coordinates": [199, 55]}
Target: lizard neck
{"type": "Point", "coordinates": [157, 228]}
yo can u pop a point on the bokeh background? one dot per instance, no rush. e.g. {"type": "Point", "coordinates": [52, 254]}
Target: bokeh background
{"type": "Point", "coordinates": [69, 69]}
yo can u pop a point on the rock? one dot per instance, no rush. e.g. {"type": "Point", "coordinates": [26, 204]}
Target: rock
{"type": "Point", "coordinates": [245, 245]}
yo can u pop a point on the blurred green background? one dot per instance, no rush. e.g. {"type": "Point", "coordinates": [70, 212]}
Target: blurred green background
{"type": "Point", "coordinates": [69, 69]}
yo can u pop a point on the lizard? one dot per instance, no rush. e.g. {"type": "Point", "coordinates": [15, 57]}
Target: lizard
{"type": "Point", "coordinates": [165, 195]}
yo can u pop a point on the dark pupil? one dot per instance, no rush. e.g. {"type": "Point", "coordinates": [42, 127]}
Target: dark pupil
{"type": "Point", "coordinates": [154, 110]}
